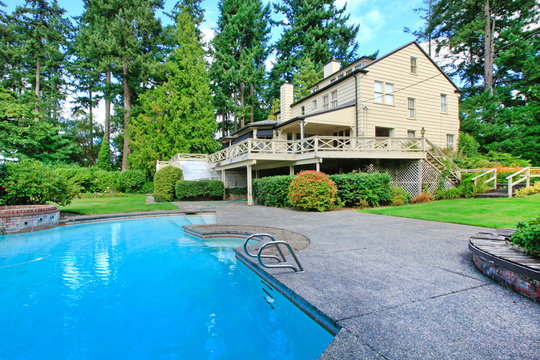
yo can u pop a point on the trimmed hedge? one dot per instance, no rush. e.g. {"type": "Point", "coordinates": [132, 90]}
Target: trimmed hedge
{"type": "Point", "coordinates": [312, 190]}
{"type": "Point", "coordinates": [272, 190]}
{"type": "Point", "coordinates": [359, 189]}
{"type": "Point", "coordinates": [164, 183]}
{"type": "Point", "coordinates": [130, 181]}
{"type": "Point", "coordinates": [193, 190]}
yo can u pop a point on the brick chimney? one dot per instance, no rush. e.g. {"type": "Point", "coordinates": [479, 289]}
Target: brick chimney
{"type": "Point", "coordinates": [331, 68]}
{"type": "Point", "coordinates": [286, 98]}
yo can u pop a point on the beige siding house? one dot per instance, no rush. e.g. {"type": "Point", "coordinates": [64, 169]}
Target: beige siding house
{"type": "Point", "coordinates": [389, 114]}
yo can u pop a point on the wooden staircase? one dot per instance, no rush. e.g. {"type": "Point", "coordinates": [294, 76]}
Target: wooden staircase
{"type": "Point", "coordinates": [438, 159]}
{"type": "Point", "coordinates": [500, 192]}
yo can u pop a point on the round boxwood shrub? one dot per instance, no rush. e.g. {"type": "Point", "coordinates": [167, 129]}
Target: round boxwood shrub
{"type": "Point", "coordinates": [312, 190]}
{"type": "Point", "coordinates": [29, 182]}
{"type": "Point", "coordinates": [164, 181]}
{"type": "Point", "coordinates": [130, 181]}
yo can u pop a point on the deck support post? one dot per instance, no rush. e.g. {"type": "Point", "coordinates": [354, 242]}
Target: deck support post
{"type": "Point", "coordinates": [318, 165]}
{"type": "Point", "coordinates": [249, 186]}
{"type": "Point", "coordinates": [224, 180]}
{"type": "Point", "coordinates": [419, 164]}
{"type": "Point", "coordinates": [291, 169]}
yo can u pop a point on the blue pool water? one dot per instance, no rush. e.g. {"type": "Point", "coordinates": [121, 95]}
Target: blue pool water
{"type": "Point", "coordinates": [142, 289]}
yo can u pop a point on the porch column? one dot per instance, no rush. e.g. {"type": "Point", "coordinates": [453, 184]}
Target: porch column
{"type": "Point", "coordinates": [291, 169]}
{"type": "Point", "coordinates": [249, 187]}
{"type": "Point", "coordinates": [224, 179]}
{"type": "Point", "coordinates": [302, 132]}
{"type": "Point", "coordinates": [318, 165]}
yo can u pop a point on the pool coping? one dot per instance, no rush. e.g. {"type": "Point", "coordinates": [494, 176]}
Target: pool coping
{"type": "Point", "coordinates": [129, 215]}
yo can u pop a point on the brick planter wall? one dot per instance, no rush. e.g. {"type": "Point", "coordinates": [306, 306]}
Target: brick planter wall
{"type": "Point", "coordinates": [23, 218]}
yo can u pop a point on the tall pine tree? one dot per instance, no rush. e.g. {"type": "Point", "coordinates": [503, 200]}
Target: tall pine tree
{"type": "Point", "coordinates": [178, 116]}
{"type": "Point", "coordinates": [316, 30]}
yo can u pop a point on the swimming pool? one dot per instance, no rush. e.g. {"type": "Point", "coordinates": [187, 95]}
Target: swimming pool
{"type": "Point", "coordinates": [142, 289]}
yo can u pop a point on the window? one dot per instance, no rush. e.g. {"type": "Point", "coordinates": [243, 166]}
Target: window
{"type": "Point", "coordinates": [443, 103]}
{"type": "Point", "coordinates": [414, 67]}
{"type": "Point", "coordinates": [315, 88]}
{"type": "Point", "coordinates": [383, 93]}
{"type": "Point", "coordinates": [303, 110]}
{"type": "Point", "coordinates": [348, 71]}
{"type": "Point", "coordinates": [411, 106]}
{"type": "Point", "coordinates": [449, 141]}
{"type": "Point", "coordinates": [340, 76]}
{"type": "Point", "coordinates": [315, 104]}
{"type": "Point", "coordinates": [333, 79]}
{"type": "Point", "coordinates": [326, 101]}
{"type": "Point", "coordinates": [411, 133]}
{"type": "Point", "coordinates": [334, 99]}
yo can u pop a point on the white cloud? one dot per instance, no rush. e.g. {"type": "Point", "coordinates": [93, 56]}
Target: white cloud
{"type": "Point", "coordinates": [370, 25]}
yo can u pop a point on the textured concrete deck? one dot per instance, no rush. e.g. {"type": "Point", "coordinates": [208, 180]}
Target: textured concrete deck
{"type": "Point", "coordinates": [400, 288]}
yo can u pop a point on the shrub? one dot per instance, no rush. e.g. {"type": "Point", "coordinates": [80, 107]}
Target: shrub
{"type": "Point", "coordinates": [451, 193]}
{"type": "Point", "coordinates": [527, 236]}
{"type": "Point", "coordinates": [29, 182]}
{"type": "Point", "coordinates": [399, 197]}
{"type": "Point", "coordinates": [104, 157]}
{"type": "Point", "coordinates": [357, 188]}
{"type": "Point", "coordinates": [147, 188]}
{"type": "Point", "coordinates": [236, 191]}
{"type": "Point", "coordinates": [164, 182]}
{"type": "Point", "coordinates": [192, 190]}
{"type": "Point", "coordinates": [272, 190]}
{"type": "Point", "coordinates": [467, 145]}
{"type": "Point", "coordinates": [422, 198]}
{"type": "Point", "coordinates": [130, 181]}
{"type": "Point", "coordinates": [81, 179]}
{"type": "Point", "coordinates": [312, 190]}
{"type": "Point", "coordinates": [105, 181]}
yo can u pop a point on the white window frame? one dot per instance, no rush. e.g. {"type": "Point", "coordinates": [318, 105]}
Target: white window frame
{"type": "Point", "coordinates": [444, 103]}
{"type": "Point", "coordinates": [414, 65]}
{"type": "Point", "coordinates": [303, 110]}
{"type": "Point", "coordinates": [334, 99]}
{"type": "Point", "coordinates": [449, 141]}
{"type": "Point", "coordinates": [326, 102]}
{"type": "Point", "coordinates": [411, 133]}
{"type": "Point", "coordinates": [383, 93]}
{"type": "Point", "coordinates": [314, 104]}
{"type": "Point", "coordinates": [411, 108]}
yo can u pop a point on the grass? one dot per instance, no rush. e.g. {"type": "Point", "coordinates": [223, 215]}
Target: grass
{"type": "Point", "coordinates": [111, 205]}
{"type": "Point", "coordinates": [492, 213]}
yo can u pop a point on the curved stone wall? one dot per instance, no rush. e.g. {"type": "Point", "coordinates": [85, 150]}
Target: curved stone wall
{"type": "Point", "coordinates": [22, 218]}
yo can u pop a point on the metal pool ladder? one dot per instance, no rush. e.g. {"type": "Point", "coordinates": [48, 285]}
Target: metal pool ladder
{"type": "Point", "coordinates": [282, 261]}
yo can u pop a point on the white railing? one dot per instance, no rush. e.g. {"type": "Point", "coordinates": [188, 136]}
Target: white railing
{"type": "Point", "coordinates": [436, 155]}
{"type": "Point", "coordinates": [526, 175]}
{"type": "Point", "coordinates": [493, 178]}
{"type": "Point", "coordinates": [316, 144]}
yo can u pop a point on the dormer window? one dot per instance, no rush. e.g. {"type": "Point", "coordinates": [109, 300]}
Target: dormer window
{"type": "Point", "coordinates": [340, 76]}
{"type": "Point", "coordinates": [348, 71]}
{"type": "Point", "coordinates": [332, 80]}
{"type": "Point", "coordinates": [414, 67]}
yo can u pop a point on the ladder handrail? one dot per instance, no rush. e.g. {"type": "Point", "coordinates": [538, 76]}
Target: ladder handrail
{"type": "Point", "coordinates": [291, 251]}
{"type": "Point", "coordinates": [263, 235]}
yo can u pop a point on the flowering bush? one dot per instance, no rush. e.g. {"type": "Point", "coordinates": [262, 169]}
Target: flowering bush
{"type": "Point", "coordinates": [32, 183]}
{"type": "Point", "coordinates": [529, 190]}
{"type": "Point", "coordinates": [312, 190]}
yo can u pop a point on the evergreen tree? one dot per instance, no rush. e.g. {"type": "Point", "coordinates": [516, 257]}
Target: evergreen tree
{"type": "Point", "coordinates": [104, 158]}
{"type": "Point", "coordinates": [307, 76]}
{"type": "Point", "coordinates": [315, 29]}
{"type": "Point", "coordinates": [178, 116]}
{"type": "Point", "coordinates": [240, 50]}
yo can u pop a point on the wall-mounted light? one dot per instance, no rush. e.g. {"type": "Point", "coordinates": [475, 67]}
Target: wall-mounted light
{"type": "Point", "coordinates": [423, 131]}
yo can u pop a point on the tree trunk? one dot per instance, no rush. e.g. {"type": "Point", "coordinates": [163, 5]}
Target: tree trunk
{"type": "Point", "coordinates": [38, 74]}
{"type": "Point", "coordinates": [251, 93]}
{"type": "Point", "coordinates": [235, 97]}
{"type": "Point", "coordinates": [242, 100]}
{"type": "Point", "coordinates": [108, 106]}
{"type": "Point", "coordinates": [91, 120]}
{"type": "Point", "coordinates": [127, 112]}
{"type": "Point", "coordinates": [488, 49]}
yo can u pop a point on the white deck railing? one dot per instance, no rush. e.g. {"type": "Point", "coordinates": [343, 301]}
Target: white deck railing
{"type": "Point", "coordinates": [525, 175]}
{"type": "Point", "coordinates": [316, 144]}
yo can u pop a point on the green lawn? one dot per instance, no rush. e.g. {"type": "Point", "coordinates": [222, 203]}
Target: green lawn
{"type": "Point", "coordinates": [492, 213]}
{"type": "Point", "coordinates": [110, 205]}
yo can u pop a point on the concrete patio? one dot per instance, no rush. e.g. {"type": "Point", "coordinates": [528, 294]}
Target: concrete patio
{"type": "Point", "coordinates": [399, 288]}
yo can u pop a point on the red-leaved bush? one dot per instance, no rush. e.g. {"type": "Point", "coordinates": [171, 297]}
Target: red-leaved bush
{"type": "Point", "coordinates": [312, 190]}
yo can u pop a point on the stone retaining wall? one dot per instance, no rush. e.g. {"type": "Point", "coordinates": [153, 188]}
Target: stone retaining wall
{"type": "Point", "coordinates": [22, 218]}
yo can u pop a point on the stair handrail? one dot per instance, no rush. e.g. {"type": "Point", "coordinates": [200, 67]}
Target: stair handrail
{"type": "Point", "coordinates": [494, 178]}
{"type": "Point", "coordinates": [525, 177]}
{"type": "Point", "coordinates": [438, 154]}
{"type": "Point", "coordinates": [259, 237]}
{"type": "Point", "coordinates": [299, 267]}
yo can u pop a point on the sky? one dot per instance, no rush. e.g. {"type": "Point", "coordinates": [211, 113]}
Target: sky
{"type": "Point", "coordinates": [381, 23]}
